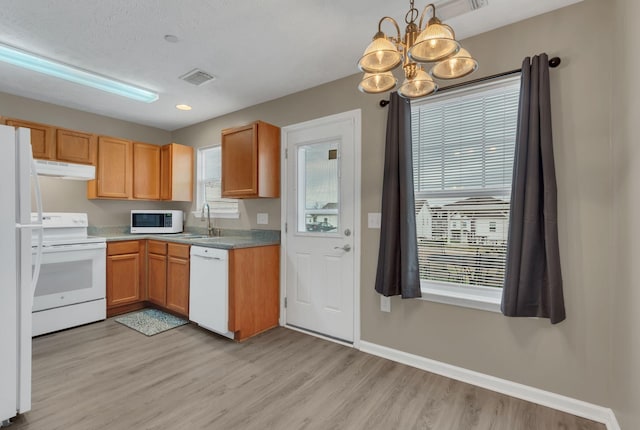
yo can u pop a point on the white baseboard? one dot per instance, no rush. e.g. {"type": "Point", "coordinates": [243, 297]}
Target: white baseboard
{"type": "Point", "coordinates": [562, 403]}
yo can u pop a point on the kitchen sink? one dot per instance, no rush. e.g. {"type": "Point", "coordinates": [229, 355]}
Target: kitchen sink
{"type": "Point", "coordinates": [189, 235]}
{"type": "Point", "coordinates": [213, 239]}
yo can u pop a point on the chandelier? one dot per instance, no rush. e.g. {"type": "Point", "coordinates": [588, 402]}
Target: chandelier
{"type": "Point", "coordinates": [435, 44]}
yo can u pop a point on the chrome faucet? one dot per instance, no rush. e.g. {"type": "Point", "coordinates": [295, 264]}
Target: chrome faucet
{"type": "Point", "coordinates": [211, 231]}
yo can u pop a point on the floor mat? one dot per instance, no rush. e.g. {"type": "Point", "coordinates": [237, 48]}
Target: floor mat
{"type": "Point", "coordinates": [150, 321]}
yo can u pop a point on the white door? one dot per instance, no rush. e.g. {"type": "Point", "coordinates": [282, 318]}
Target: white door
{"type": "Point", "coordinates": [321, 204]}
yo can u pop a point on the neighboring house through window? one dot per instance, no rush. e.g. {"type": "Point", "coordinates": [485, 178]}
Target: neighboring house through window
{"type": "Point", "coordinates": [463, 149]}
{"type": "Point", "coordinates": [210, 184]}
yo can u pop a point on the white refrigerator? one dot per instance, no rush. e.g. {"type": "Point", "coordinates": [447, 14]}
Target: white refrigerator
{"type": "Point", "coordinates": [17, 278]}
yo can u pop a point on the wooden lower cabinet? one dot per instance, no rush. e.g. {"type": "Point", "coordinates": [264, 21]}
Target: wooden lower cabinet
{"type": "Point", "coordinates": [254, 290]}
{"type": "Point", "coordinates": [126, 271]}
{"type": "Point", "coordinates": [157, 277]}
{"type": "Point", "coordinates": [178, 282]}
{"type": "Point", "coordinates": [141, 272]}
{"type": "Point", "coordinates": [168, 278]}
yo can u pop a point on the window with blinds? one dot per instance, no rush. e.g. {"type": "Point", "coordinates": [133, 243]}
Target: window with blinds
{"type": "Point", "coordinates": [210, 182]}
{"type": "Point", "coordinates": [463, 148]}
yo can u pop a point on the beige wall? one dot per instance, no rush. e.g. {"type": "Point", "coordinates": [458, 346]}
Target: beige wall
{"type": "Point", "coordinates": [338, 96]}
{"type": "Point", "coordinates": [572, 358]}
{"type": "Point", "coordinates": [595, 354]}
{"type": "Point", "coordinates": [625, 228]}
{"type": "Point", "coordinates": [70, 196]}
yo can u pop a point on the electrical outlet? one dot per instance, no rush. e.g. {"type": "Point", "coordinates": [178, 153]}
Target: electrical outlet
{"type": "Point", "coordinates": [263, 218]}
{"type": "Point", "coordinates": [385, 304]}
{"type": "Point", "coordinates": [375, 220]}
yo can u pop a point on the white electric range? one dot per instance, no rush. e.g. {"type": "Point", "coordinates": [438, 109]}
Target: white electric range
{"type": "Point", "coordinates": [71, 289]}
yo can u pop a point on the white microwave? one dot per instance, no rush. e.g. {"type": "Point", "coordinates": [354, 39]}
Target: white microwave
{"type": "Point", "coordinates": [156, 221]}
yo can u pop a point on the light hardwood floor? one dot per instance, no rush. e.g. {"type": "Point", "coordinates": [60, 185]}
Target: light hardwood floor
{"type": "Point", "coordinates": [107, 376]}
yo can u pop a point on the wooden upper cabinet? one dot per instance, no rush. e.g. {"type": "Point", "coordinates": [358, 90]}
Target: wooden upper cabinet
{"type": "Point", "coordinates": [76, 147]}
{"type": "Point", "coordinates": [176, 173]}
{"type": "Point", "coordinates": [146, 171]}
{"type": "Point", "coordinates": [114, 170]}
{"type": "Point", "coordinates": [42, 138]}
{"type": "Point", "coordinates": [251, 161]}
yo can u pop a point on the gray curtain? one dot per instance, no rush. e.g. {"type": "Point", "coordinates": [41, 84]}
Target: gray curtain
{"type": "Point", "coordinates": [533, 281]}
{"type": "Point", "coordinates": [398, 272]}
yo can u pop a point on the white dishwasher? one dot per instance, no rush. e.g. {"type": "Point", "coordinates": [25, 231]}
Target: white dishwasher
{"type": "Point", "coordinates": [209, 289]}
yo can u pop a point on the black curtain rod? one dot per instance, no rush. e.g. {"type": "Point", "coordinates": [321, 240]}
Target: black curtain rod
{"type": "Point", "coordinates": [553, 63]}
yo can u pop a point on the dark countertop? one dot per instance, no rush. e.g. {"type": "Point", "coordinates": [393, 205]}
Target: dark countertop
{"type": "Point", "coordinates": [229, 239]}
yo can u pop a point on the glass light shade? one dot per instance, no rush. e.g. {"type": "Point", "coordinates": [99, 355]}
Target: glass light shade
{"type": "Point", "coordinates": [380, 56]}
{"type": "Point", "coordinates": [373, 83]}
{"type": "Point", "coordinates": [421, 85]}
{"type": "Point", "coordinates": [435, 43]}
{"type": "Point", "coordinates": [454, 67]}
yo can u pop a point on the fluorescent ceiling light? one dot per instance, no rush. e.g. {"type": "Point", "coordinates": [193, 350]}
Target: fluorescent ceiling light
{"type": "Point", "coordinates": [39, 64]}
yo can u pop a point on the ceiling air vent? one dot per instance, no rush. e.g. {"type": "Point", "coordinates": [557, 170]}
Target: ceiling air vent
{"type": "Point", "coordinates": [197, 77]}
{"type": "Point", "coordinates": [451, 8]}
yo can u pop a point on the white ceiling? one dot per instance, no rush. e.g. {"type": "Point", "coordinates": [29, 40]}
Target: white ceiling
{"type": "Point", "coordinates": [258, 50]}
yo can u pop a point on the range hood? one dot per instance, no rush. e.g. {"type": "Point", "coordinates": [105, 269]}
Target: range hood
{"type": "Point", "coordinates": [59, 169]}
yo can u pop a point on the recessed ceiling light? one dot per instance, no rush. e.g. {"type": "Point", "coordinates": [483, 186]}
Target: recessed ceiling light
{"type": "Point", "coordinates": [171, 38]}
{"type": "Point", "coordinates": [183, 107]}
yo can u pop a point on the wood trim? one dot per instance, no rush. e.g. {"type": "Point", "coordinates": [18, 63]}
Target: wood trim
{"type": "Point", "coordinates": [123, 309]}
{"type": "Point", "coordinates": [157, 247]}
{"type": "Point", "coordinates": [124, 247]}
{"type": "Point", "coordinates": [178, 250]}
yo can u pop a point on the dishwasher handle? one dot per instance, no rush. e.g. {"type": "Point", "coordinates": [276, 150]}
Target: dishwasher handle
{"type": "Point", "coordinates": [209, 253]}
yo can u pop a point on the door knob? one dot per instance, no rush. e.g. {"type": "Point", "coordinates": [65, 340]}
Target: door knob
{"type": "Point", "coordinates": [345, 248]}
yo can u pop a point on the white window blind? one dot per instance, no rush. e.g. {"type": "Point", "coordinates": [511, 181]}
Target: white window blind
{"type": "Point", "coordinates": [210, 182]}
{"type": "Point", "coordinates": [463, 148]}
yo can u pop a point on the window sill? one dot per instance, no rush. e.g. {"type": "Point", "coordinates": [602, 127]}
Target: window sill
{"type": "Point", "coordinates": [227, 215]}
{"type": "Point", "coordinates": [482, 298]}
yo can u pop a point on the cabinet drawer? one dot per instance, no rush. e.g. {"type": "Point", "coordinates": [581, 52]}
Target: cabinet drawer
{"type": "Point", "coordinates": [157, 247]}
{"type": "Point", "coordinates": [126, 247]}
{"type": "Point", "coordinates": [178, 250]}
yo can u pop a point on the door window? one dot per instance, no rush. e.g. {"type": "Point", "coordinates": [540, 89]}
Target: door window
{"type": "Point", "coordinates": [318, 188]}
